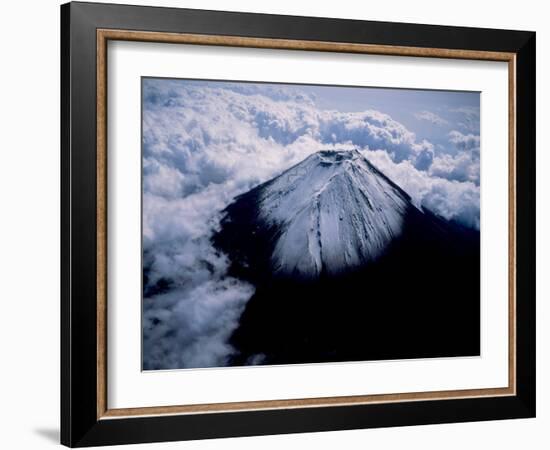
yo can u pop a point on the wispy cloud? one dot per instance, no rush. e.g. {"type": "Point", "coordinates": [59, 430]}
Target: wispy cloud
{"type": "Point", "coordinates": [469, 118]}
{"type": "Point", "coordinates": [472, 111]}
{"type": "Point", "coordinates": [431, 117]}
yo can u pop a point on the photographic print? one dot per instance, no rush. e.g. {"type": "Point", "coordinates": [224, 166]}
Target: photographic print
{"type": "Point", "coordinates": [272, 233]}
{"type": "Point", "coordinates": [299, 224]}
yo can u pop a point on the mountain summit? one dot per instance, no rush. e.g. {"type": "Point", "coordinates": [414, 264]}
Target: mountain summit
{"type": "Point", "coordinates": [331, 213]}
{"type": "Point", "coordinates": [334, 212]}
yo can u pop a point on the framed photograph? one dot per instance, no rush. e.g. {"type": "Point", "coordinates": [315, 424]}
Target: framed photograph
{"type": "Point", "coordinates": [276, 224]}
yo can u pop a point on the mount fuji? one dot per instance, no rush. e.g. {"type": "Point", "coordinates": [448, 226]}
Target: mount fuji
{"type": "Point", "coordinates": [345, 265]}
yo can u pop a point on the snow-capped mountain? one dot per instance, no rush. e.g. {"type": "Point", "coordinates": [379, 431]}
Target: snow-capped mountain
{"type": "Point", "coordinates": [331, 213]}
{"type": "Point", "coordinates": [335, 212]}
{"type": "Point", "coordinates": [334, 248]}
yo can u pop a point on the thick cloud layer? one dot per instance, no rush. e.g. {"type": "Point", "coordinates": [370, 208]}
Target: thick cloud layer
{"type": "Point", "coordinates": [205, 143]}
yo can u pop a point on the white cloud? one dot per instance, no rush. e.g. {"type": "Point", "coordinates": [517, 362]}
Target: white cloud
{"type": "Point", "coordinates": [464, 141]}
{"type": "Point", "coordinates": [452, 200]}
{"type": "Point", "coordinates": [463, 166]}
{"type": "Point", "coordinates": [370, 129]}
{"type": "Point", "coordinates": [190, 327]}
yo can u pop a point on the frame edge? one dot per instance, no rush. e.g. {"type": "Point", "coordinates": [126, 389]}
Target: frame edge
{"type": "Point", "coordinates": [81, 431]}
{"type": "Point", "coordinates": [65, 333]}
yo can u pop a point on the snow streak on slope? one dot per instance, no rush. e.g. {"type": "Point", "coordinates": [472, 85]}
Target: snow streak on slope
{"type": "Point", "coordinates": [335, 212]}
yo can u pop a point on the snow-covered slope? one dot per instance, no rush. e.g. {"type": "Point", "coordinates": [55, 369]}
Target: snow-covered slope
{"type": "Point", "coordinates": [330, 213]}
{"type": "Point", "coordinates": [335, 212]}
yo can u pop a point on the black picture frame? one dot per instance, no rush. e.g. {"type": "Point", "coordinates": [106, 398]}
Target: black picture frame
{"type": "Point", "coordinates": [80, 425]}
